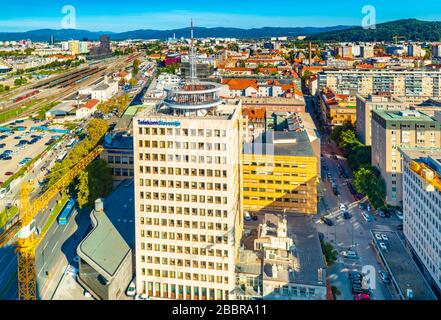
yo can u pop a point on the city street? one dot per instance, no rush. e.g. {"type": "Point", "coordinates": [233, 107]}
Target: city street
{"type": "Point", "coordinates": [347, 234]}
{"type": "Point", "coordinates": [53, 255]}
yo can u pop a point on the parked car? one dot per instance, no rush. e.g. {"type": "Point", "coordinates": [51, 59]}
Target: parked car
{"type": "Point", "coordinates": [362, 296]}
{"type": "Point", "coordinates": [378, 237]}
{"type": "Point", "coordinates": [327, 221]}
{"type": "Point", "coordinates": [247, 216]}
{"type": "Point", "coordinates": [384, 237]}
{"type": "Point", "coordinates": [347, 215]}
{"type": "Point", "coordinates": [254, 217]}
{"type": "Point", "coordinates": [367, 217]}
{"type": "Point", "coordinates": [2, 145]}
{"type": "Point", "coordinates": [382, 246]}
{"type": "Point", "coordinates": [399, 214]}
{"type": "Point", "coordinates": [400, 227]}
{"type": "Point", "coordinates": [384, 276]}
{"type": "Point", "coordinates": [141, 296]}
{"type": "Point", "coordinates": [9, 173]}
{"type": "Point", "coordinates": [381, 213]}
{"type": "Point", "coordinates": [350, 254]}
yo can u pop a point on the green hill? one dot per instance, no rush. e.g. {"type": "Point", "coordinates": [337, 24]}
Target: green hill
{"type": "Point", "coordinates": [410, 29]}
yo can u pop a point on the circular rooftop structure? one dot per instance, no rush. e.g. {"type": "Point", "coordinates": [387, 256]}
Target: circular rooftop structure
{"type": "Point", "coordinates": [193, 96]}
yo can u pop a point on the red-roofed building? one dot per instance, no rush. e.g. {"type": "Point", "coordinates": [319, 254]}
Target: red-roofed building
{"type": "Point", "coordinates": [238, 87]}
{"type": "Point", "coordinates": [87, 109]}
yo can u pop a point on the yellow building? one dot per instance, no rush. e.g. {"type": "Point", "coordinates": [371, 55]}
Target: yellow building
{"type": "Point", "coordinates": [280, 173]}
{"type": "Point", "coordinates": [74, 46]}
{"type": "Point", "coordinates": [338, 109]}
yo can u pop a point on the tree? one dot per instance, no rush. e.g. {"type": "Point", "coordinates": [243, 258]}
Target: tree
{"type": "Point", "coordinates": [82, 189]}
{"type": "Point", "coordinates": [94, 183]}
{"type": "Point", "coordinates": [133, 82]}
{"type": "Point", "coordinates": [368, 181]}
{"type": "Point", "coordinates": [136, 64]}
{"type": "Point", "coordinates": [307, 74]}
{"type": "Point", "coordinates": [358, 157]}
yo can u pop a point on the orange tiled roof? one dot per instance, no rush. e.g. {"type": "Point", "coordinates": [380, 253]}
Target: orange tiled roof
{"type": "Point", "coordinates": [240, 84]}
{"type": "Point", "coordinates": [91, 103]}
{"type": "Point", "coordinates": [254, 114]}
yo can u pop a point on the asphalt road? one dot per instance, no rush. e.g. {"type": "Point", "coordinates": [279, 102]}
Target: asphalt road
{"type": "Point", "coordinates": [57, 250]}
{"type": "Point", "coordinates": [348, 234]}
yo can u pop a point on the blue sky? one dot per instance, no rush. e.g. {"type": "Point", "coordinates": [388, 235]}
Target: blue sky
{"type": "Point", "coordinates": [124, 15]}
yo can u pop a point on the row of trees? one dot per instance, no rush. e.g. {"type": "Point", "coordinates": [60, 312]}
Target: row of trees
{"type": "Point", "coordinates": [4, 88]}
{"type": "Point", "coordinates": [96, 180]}
{"type": "Point", "coordinates": [72, 63]}
{"type": "Point", "coordinates": [367, 179]}
{"type": "Point", "coordinates": [120, 103]}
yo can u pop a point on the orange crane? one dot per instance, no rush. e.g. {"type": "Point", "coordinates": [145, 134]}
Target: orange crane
{"type": "Point", "coordinates": [24, 228]}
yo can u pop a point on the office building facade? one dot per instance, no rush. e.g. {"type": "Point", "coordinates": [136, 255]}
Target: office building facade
{"type": "Point", "coordinates": [188, 201]}
{"type": "Point", "coordinates": [422, 209]}
{"type": "Point", "coordinates": [399, 129]}
{"type": "Point", "coordinates": [280, 173]}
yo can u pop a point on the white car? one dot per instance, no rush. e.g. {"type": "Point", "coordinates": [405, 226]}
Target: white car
{"type": "Point", "coordinates": [141, 296]}
{"type": "Point", "coordinates": [382, 246]}
{"type": "Point", "coordinates": [349, 254]}
{"type": "Point", "coordinates": [378, 237]}
{"type": "Point", "coordinates": [87, 294]}
{"type": "Point", "coordinates": [399, 215]}
{"type": "Point", "coordinates": [384, 237]}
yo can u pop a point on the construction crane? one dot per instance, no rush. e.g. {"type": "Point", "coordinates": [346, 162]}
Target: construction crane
{"type": "Point", "coordinates": [27, 241]}
{"type": "Point", "coordinates": [398, 37]}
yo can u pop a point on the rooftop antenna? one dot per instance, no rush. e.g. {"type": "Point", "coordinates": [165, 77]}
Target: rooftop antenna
{"type": "Point", "coordinates": [191, 58]}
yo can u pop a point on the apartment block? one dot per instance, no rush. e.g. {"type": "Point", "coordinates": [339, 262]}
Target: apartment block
{"type": "Point", "coordinates": [422, 209]}
{"type": "Point", "coordinates": [436, 51]}
{"type": "Point", "coordinates": [418, 83]}
{"type": "Point", "coordinates": [188, 196]}
{"type": "Point", "coordinates": [280, 173]}
{"type": "Point", "coordinates": [365, 106]}
{"type": "Point", "coordinates": [399, 129]}
{"type": "Point", "coordinates": [337, 109]}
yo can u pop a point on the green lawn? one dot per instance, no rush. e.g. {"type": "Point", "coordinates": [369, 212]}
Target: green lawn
{"type": "Point", "coordinates": [6, 215]}
{"type": "Point", "coordinates": [10, 114]}
{"type": "Point", "coordinates": [54, 214]}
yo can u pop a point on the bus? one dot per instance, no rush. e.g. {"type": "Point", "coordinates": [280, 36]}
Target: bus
{"type": "Point", "coordinates": [67, 211]}
{"type": "Point", "coordinates": [72, 142]}
{"type": "Point", "coordinates": [62, 156]}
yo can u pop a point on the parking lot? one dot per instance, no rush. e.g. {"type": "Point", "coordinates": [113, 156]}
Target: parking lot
{"type": "Point", "coordinates": [14, 152]}
{"type": "Point", "coordinates": [399, 264]}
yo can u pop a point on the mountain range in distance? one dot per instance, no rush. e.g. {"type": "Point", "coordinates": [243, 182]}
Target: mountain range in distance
{"type": "Point", "coordinates": [144, 34]}
{"type": "Point", "coordinates": [408, 29]}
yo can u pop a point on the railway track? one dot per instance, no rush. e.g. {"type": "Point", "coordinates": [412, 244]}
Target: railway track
{"type": "Point", "coordinates": [67, 84]}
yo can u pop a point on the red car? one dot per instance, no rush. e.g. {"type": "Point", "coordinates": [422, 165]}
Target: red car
{"type": "Point", "coordinates": [9, 173]}
{"type": "Point", "coordinates": [362, 296]}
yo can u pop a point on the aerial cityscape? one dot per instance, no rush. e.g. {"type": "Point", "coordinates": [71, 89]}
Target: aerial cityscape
{"type": "Point", "coordinates": [187, 151]}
